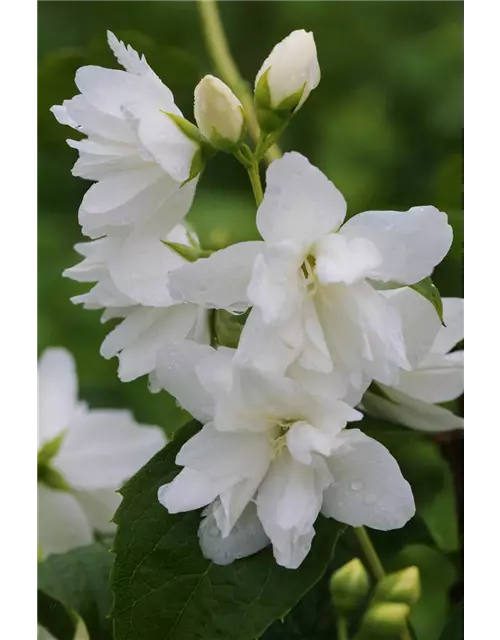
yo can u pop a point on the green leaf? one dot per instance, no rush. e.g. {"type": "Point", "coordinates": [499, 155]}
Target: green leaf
{"type": "Point", "coordinates": [55, 618]}
{"type": "Point", "coordinates": [429, 475]}
{"type": "Point", "coordinates": [228, 327]}
{"type": "Point", "coordinates": [79, 580]}
{"type": "Point", "coordinates": [454, 629]}
{"type": "Point", "coordinates": [437, 575]}
{"type": "Point", "coordinates": [429, 290]}
{"type": "Point", "coordinates": [189, 253]}
{"type": "Point", "coordinates": [164, 587]}
{"type": "Point", "coordinates": [440, 513]}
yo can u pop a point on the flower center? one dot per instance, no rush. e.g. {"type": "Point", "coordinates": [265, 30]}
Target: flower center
{"type": "Point", "coordinates": [308, 270]}
{"type": "Point", "coordinates": [278, 439]}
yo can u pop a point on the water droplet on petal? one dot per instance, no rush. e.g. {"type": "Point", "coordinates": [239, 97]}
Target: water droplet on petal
{"type": "Point", "coordinates": [357, 486]}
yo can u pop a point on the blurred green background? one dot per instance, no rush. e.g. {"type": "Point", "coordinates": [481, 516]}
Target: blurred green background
{"type": "Point", "coordinates": [385, 124]}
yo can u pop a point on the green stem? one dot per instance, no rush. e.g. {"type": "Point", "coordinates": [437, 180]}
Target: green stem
{"type": "Point", "coordinates": [342, 628]}
{"type": "Point", "coordinates": [374, 563]}
{"type": "Point", "coordinates": [254, 175]}
{"type": "Point", "coordinates": [369, 550]}
{"type": "Point", "coordinates": [225, 66]}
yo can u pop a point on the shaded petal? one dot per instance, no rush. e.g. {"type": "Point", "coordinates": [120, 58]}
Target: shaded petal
{"type": "Point", "coordinates": [105, 448]}
{"type": "Point", "coordinates": [100, 506]}
{"type": "Point", "coordinates": [403, 409]}
{"type": "Point", "coordinates": [420, 322]}
{"type": "Point", "coordinates": [191, 490]}
{"type": "Point", "coordinates": [57, 393]}
{"type": "Point", "coordinates": [265, 346]}
{"type": "Point", "coordinates": [62, 523]}
{"type": "Point", "coordinates": [139, 339]}
{"type": "Point", "coordinates": [220, 281]}
{"type": "Point", "coordinates": [277, 287]}
{"type": "Point", "coordinates": [453, 332]}
{"type": "Point", "coordinates": [226, 455]}
{"type": "Point", "coordinates": [246, 537]}
{"type": "Point", "coordinates": [440, 379]}
{"type": "Point", "coordinates": [143, 264]}
{"type": "Point", "coordinates": [300, 203]}
{"type": "Point", "coordinates": [125, 199]}
{"type": "Point", "coordinates": [411, 243]}
{"type": "Point", "coordinates": [368, 487]}
{"type": "Point", "coordinates": [288, 503]}
{"type": "Point", "coordinates": [339, 259]}
{"type": "Point", "coordinates": [363, 332]}
{"type": "Point", "coordinates": [176, 373]}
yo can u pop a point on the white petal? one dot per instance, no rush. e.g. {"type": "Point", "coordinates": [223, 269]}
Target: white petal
{"type": "Point", "coordinates": [277, 287]}
{"type": "Point", "coordinates": [139, 339]}
{"type": "Point", "coordinates": [57, 393]}
{"type": "Point", "coordinates": [82, 116]}
{"type": "Point", "coordinates": [62, 523]}
{"type": "Point", "coordinates": [246, 538]}
{"type": "Point", "coordinates": [105, 448]}
{"type": "Point", "coordinates": [402, 409]}
{"type": "Point", "coordinates": [411, 243]}
{"type": "Point", "coordinates": [300, 203]}
{"type": "Point", "coordinates": [100, 506]}
{"type": "Point", "coordinates": [163, 139]}
{"type": "Point", "coordinates": [176, 373]}
{"type": "Point", "coordinates": [339, 259]}
{"type": "Point", "coordinates": [97, 254]}
{"type": "Point", "coordinates": [104, 294]}
{"type": "Point", "coordinates": [368, 487]}
{"type": "Point", "coordinates": [128, 57]}
{"type": "Point", "coordinates": [453, 331]}
{"type": "Point", "coordinates": [141, 269]}
{"type": "Point", "coordinates": [288, 503]}
{"type": "Point", "coordinates": [191, 490]}
{"type": "Point", "coordinates": [110, 90]}
{"type": "Point", "coordinates": [303, 440]}
{"type": "Point", "coordinates": [315, 354]}
{"type": "Point", "coordinates": [262, 345]}
{"type": "Point", "coordinates": [43, 634]}
{"type": "Point", "coordinates": [220, 281]}
{"type": "Point", "coordinates": [125, 199]}
{"type": "Point", "coordinates": [420, 322]}
{"type": "Point", "coordinates": [363, 331]}
{"type": "Point", "coordinates": [231, 455]}
{"type": "Point", "coordinates": [439, 379]}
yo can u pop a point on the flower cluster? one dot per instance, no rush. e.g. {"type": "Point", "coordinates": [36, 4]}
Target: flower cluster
{"type": "Point", "coordinates": [334, 307]}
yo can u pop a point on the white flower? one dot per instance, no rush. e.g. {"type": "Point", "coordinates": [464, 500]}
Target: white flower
{"type": "Point", "coordinates": [270, 458]}
{"type": "Point", "coordinates": [84, 456]}
{"type": "Point", "coordinates": [292, 70]}
{"type": "Point", "coordinates": [435, 378]}
{"type": "Point", "coordinates": [218, 114]}
{"type": "Point", "coordinates": [132, 274]}
{"type": "Point", "coordinates": [312, 284]}
{"type": "Point", "coordinates": [136, 153]}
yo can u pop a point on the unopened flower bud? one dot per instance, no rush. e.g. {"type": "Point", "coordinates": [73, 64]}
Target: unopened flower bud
{"type": "Point", "coordinates": [403, 587]}
{"type": "Point", "coordinates": [349, 586]}
{"type": "Point", "coordinates": [285, 80]}
{"type": "Point", "coordinates": [384, 621]}
{"type": "Point", "coordinates": [219, 114]}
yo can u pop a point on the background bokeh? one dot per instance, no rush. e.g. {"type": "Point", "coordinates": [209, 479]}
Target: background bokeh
{"type": "Point", "coordinates": [385, 124]}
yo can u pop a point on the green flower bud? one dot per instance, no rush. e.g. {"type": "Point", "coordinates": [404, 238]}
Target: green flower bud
{"type": "Point", "coordinates": [384, 621]}
{"type": "Point", "coordinates": [349, 586]}
{"type": "Point", "coordinates": [402, 586]}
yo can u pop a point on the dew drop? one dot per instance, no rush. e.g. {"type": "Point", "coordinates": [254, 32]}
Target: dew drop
{"type": "Point", "coordinates": [357, 486]}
